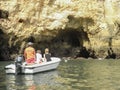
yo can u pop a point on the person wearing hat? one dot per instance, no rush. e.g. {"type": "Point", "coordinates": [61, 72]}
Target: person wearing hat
{"type": "Point", "coordinates": [30, 54]}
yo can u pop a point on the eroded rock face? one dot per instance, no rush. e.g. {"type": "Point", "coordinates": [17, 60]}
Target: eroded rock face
{"type": "Point", "coordinates": [61, 25]}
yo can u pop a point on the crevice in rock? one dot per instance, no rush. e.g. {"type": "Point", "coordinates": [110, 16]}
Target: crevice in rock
{"type": "Point", "coordinates": [4, 14]}
{"type": "Point", "coordinates": [4, 49]}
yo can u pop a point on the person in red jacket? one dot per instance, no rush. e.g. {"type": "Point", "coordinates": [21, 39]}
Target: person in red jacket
{"type": "Point", "coordinates": [30, 54]}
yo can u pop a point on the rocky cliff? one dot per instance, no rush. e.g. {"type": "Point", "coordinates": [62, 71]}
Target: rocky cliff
{"type": "Point", "coordinates": [62, 25]}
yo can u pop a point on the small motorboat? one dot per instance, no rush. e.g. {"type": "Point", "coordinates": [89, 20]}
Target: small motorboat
{"type": "Point", "coordinates": [22, 68]}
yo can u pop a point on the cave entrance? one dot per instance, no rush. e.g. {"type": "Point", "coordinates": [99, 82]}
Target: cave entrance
{"type": "Point", "coordinates": [70, 37]}
{"type": "Point", "coordinates": [73, 37]}
{"type": "Point", "coordinates": [66, 41]}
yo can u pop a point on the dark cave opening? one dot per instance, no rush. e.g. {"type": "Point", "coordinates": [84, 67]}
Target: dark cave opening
{"type": "Point", "coordinates": [73, 37]}
{"type": "Point", "coordinates": [4, 50]}
{"type": "Point", "coordinates": [66, 41]}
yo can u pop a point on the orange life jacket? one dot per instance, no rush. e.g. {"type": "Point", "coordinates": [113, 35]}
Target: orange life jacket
{"type": "Point", "coordinates": [29, 53]}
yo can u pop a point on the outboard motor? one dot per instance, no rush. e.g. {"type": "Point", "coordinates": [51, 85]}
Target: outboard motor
{"type": "Point", "coordinates": [18, 64]}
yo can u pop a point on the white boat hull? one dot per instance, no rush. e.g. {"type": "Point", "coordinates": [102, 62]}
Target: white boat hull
{"type": "Point", "coordinates": [35, 68]}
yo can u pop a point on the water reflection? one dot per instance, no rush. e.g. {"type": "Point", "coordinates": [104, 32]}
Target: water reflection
{"type": "Point", "coordinates": [30, 82]}
{"type": "Point", "coordinates": [71, 75]}
{"type": "Point", "coordinates": [91, 75]}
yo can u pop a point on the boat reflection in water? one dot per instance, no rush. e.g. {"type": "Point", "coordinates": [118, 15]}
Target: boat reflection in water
{"type": "Point", "coordinates": [23, 82]}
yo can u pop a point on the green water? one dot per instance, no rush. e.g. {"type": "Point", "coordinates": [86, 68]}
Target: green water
{"type": "Point", "coordinates": [71, 75]}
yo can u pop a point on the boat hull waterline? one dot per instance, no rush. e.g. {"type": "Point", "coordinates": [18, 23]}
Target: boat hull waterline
{"type": "Point", "coordinates": [35, 68]}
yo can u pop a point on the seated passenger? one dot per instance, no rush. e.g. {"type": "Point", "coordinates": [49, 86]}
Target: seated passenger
{"type": "Point", "coordinates": [47, 55]}
{"type": "Point", "coordinates": [38, 56]}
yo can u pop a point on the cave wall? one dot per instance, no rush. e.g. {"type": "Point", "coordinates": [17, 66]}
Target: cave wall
{"type": "Point", "coordinates": [63, 24]}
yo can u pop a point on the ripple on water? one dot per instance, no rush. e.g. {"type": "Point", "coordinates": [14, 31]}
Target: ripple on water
{"type": "Point", "coordinates": [71, 75]}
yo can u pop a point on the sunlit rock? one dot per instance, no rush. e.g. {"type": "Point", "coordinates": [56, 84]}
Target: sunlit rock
{"type": "Point", "coordinates": [98, 20]}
